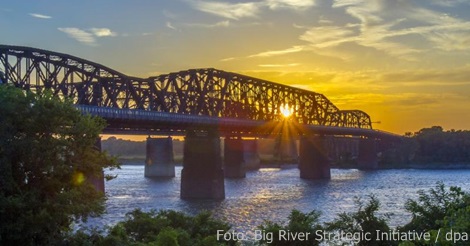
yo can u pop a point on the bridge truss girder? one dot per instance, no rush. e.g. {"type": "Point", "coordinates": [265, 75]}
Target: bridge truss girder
{"type": "Point", "coordinates": [208, 92]}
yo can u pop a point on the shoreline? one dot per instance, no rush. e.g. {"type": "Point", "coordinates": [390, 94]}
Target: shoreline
{"type": "Point", "coordinates": [461, 166]}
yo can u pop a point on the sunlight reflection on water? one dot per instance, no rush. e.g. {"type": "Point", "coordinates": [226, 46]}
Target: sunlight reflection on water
{"type": "Point", "coordinates": [270, 194]}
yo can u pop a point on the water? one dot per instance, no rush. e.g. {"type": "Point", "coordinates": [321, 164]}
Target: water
{"type": "Point", "coordinates": [271, 194]}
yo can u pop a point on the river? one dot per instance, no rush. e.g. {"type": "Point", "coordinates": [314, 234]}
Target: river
{"type": "Point", "coordinates": [271, 193]}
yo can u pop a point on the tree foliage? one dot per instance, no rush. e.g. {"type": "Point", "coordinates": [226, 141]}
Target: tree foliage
{"type": "Point", "coordinates": [439, 211]}
{"type": "Point", "coordinates": [437, 145]}
{"type": "Point", "coordinates": [298, 223]}
{"type": "Point", "coordinates": [430, 146]}
{"type": "Point", "coordinates": [363, 221]}
{"type": "Point", "coordinates": [433, 206]}
{"type": "Point", "coordinates": [456, 222]}
{"type": "Point", "coordinates": [165, 227]}
{"type": "Point", "coordinates": [46, 154]}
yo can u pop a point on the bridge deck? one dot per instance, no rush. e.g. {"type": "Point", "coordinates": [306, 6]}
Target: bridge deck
{"type": "Point", "coordinates": [161, 123]}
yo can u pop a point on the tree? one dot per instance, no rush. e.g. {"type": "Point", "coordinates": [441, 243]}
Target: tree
{"type": "Point", "coordinates": [432, 207]}
{"type": "Point", "coordinates": [300, 223]}
{"type": "Point", "coordinates": [165, 227]}
{"type": "Point", "coordinates": [364, 221]}
{"type": "Point", "coordinates": [457, 224]}
{"type": "Point", "coordinates": [46, 154]}
{"type": "Point", "coordinates": [440, 212]}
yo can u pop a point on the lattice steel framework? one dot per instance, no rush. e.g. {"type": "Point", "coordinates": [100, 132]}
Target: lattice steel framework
{"type": "Point", "coordinates": [208, 92]}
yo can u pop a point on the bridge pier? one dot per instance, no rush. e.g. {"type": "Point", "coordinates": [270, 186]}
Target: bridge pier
{"type": "Point", "coordinates": [285, 149]}
{"type": "Point", "coordinates": [250, 154]}
{"type": "Point", "coordinates": [240, 155]}
{"type": "Point", "coordinates": [97, 181]}
{"type": "Point", "coordinates": [202, 176]}
{"type": "Point", "coordinates": [159, 160]}
{"type": "Point", "coordinates": [367, 156]}
{"type": "Point", "coordinates": [313, 160]}
{"type": "Point", "coordinates": [234, 164]}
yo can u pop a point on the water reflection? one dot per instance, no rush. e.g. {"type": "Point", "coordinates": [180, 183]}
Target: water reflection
{"type": "Point", "coordinates": [270, 194]}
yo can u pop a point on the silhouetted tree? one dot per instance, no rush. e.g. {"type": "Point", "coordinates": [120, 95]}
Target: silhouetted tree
{"type": "Point", "coordinates": [439, 146]}
{"type": "Point", "coordinates": [46, 154]}
{"type": "Point", "coordinates": [430, 146]}
{"type": "Point", "coordinates": [362, 222]}
{"type": "Point", "coordinates": [165, 227]}
{"type": "Point", "coordinates": [298, 223]}
{"type": "Point", "coordinates": [433, 206]}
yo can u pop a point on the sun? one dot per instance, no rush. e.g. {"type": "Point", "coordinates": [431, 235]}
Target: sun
{"type": "Point", "coordinates": [286, 111]}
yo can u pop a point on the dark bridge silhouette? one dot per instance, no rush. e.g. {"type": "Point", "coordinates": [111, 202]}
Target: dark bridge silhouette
{"type": "Point", "coordinates": [201, 104]}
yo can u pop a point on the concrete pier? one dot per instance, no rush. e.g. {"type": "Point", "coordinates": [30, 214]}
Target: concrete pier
{"type": "Point", "coordinates": [97, 181]}
{"type": "Point", "coordinates": [285, 149]}
{"type": "Point", "coordinates": [234, 164]}
{"type": "Point", "coordinates": [313, 160]}
{"type": "Point", "coordinates": [159, 162]}
{"type": "Point", "coordinates": [250, 154]}
{"type": "Point", "coordinates": [367, 156]}
{"type": "Point", "coordinates": [202, 176]}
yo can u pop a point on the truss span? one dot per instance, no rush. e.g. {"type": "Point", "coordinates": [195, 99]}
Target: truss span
{"type": "Point", "coordinates": [208, 92]}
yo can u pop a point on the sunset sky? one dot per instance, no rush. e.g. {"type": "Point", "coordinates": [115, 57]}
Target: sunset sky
{"type": "Point", "coordinates": [406, 63]}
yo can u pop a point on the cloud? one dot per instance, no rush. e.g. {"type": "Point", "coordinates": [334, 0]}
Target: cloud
{"type": "Point", "coordinates": [421, 99]}
{"type": "Point", "coordinates": [343, 3]}
{"type": "Point", "coordinates": [450, 77]}
{"type": "Point", "coordinates": [237, 11]}
{"type": "Point", "coordinates": [169, 25]}
{"type": "Point", "coordinates": [103, 32]}
{"type": "Point", "coordinates": [398, 100]}
{"type": "Point", "coordinates": [394, 27]}
{"type": "Point", "coordinates": [325, 21]}
{"type": "Point", "coordinates": [299, 26]}
{"type": "Point", "coordinates": [87, 37]}
{"type": "Point", "coordinates": [325, 36]}
{"type": "Point", "coordinates": [221, 24]}
{"type": "Point", "coordinates": [279, 65]}
{"type": "Point", "coordinates": [228, 59]}
{"type": "Point", "coordinates": [278, 52]}
{"type": "Point", "coordinates": [225, 23]}
{"type": "Point", "coordinates": [450, 41]}
{"type": "Point", "coordinates": [228, 10]}
{"type": "Point", "coordinates": [295, 4]}
{"type": "Point", "coordinates": [169, 14]}
{"type": "Point", "coordinates": [449, 3]}
{"type": "Point", "coordinates": [40, 16]}
{"type": "Point", "coordinates": [79, 35]}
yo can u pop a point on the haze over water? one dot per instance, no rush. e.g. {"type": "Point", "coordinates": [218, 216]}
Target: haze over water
{"type": "Point", "coordinates": [271, 194]}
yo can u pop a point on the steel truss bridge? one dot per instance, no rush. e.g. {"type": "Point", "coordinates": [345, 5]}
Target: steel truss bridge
{"type": "Point", "coordinates": [175, 101]}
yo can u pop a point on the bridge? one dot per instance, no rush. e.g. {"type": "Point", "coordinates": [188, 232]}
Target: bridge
{"type": "Point", "coordinates": [200, 104]}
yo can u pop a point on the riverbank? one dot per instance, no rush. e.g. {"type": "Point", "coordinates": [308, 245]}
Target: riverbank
{"type": "Point", "coordinates": [286, 164]}
{"type": "Point", "coordinates": [437, 166]}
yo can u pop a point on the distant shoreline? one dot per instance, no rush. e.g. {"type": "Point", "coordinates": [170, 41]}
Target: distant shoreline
{"type": "Point", "coordinates": [139, 161]}
{"type": "Point", "coordinates": [437, 166]}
